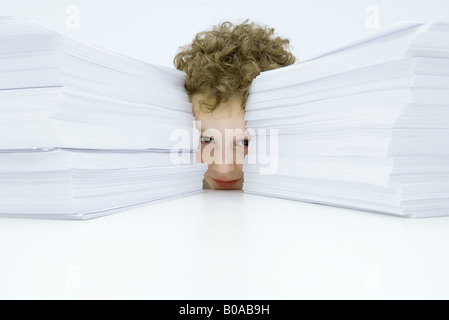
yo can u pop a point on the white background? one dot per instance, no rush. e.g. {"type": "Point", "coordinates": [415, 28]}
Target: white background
{"type": "Point", "coordinates": [227, 245]}
{"type": "Point", "coordinates": [152, 31]}
{"type": "Point", "coordinates": [220, 245]}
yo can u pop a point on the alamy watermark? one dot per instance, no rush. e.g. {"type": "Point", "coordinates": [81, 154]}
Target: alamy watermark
{"type": "Point", "coordinates": [263, 148]}
{"type": "Point", "coordinates": [73, 278]}
{"type": "Point", "coordinates": [72, 21]}
{"type": "Point", "coordinates": [373, 279]}
{"type": "Point", "coordinates": [372, 22]}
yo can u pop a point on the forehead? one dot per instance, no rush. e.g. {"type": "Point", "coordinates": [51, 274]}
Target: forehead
{"type": "Point", "coordinates": [229, 115]}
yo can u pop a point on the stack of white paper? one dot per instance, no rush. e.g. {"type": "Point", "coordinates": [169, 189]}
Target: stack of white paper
{"type": "Point", "coordinates": [365, 126]}
{"type": "Point", "coordinates": [84, 131]}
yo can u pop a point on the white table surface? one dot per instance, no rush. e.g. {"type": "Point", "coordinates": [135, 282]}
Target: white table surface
{"type": "Point", "coordinates": [226, 245]}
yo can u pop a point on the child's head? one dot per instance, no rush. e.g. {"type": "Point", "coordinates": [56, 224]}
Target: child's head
{"type": "Point", "coordinates": [220, 66]}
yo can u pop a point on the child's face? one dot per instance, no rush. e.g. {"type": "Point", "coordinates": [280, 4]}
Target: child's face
{"type": "Point", "coordinates": [224, 143]}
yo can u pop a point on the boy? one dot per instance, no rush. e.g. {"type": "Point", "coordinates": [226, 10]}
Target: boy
{"type": "Point", "coordinates": [220, 66]}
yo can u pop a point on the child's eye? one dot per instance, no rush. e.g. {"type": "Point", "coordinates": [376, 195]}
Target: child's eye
{"type": "Point", "coordinates": [244, 143]}
{"type": "Point", "coordinates": [205, 139]}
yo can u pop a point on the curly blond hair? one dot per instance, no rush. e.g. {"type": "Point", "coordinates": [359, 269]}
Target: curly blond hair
{"type": "Point", "coordinates": [223, 62]}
